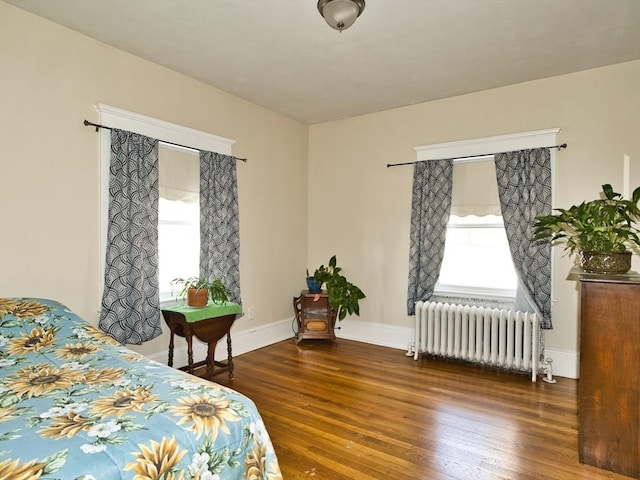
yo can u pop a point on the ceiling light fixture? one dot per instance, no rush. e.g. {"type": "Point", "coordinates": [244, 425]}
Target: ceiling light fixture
{"type": "Point", "coordinates": [340, 14]}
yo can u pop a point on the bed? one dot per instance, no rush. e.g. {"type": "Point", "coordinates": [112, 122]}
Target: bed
{"type": "Point", "coordinates": [76, 405]}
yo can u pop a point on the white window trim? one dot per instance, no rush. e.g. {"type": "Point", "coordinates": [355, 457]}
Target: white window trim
{"type": "Point", "coordinates": [480, 147]}
{"type": "Point", "coordinates": [475, 225]}
{"type": "Point", "coordinates": [114, 117]}
{"type": "Point", "coordinates": [488, 145]}
{"type": "Point", "coordinates": [445, 290]}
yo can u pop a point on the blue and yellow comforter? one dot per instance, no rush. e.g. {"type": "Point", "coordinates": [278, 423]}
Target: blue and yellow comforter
{"type": "Point", "coordinates": [74, 404]}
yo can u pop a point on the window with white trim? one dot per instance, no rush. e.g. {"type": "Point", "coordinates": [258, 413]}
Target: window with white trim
{"type": "Point", "coordinates": [178, 227]}
{"type": "Point", "coordinates": [486, 146]}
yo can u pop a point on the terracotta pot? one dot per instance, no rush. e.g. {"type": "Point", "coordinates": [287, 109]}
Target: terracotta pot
{"type": "Point", "coordinates": [605, 262]}
{"type": "Point", "coordinates": [197, 297]}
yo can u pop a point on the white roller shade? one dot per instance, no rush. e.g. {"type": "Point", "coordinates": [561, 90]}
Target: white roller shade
{"type": "Point", "coordinates": [475, 189]}
{"type": "Point", "coordinates": [179, 174]}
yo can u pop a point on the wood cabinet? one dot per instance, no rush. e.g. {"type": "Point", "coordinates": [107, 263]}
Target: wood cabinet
{"type": "Point", "coordinates": [315, 319]}
{"type": "Point", "coordinates": [609, 400]}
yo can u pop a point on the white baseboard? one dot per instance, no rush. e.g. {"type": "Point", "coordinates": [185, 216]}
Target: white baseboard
{"type": "Point", "coordinates": [375, 333]}
{"type": "Point", "coordinates": [243, 341]}
{"type": "Point", "coordinates": [565, 363]}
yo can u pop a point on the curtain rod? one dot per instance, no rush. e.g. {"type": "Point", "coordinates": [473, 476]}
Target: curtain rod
{"type": "Point", "coordinates": [564, 145]}
{"type": "Point", "coordinates": [87, 123]}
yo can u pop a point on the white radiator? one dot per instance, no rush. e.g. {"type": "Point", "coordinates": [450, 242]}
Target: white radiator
{"type": "Point", "coordinates": [502, 338]}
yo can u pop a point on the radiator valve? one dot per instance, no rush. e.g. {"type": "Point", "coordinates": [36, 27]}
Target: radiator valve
{"type": "Point", "coordinates": [547, 369]}
{"type": "Point", "coordinates": [410, 350]}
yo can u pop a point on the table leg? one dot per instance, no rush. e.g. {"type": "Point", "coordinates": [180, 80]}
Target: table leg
{"type": "Point", "coordinates": [170, 363]}
{"type": "Point", "coordinates": [229, 356]}
{"type": "Point", "coordinates": [210, 358]}
{"type": "Point", "coordinates": [189, 338]}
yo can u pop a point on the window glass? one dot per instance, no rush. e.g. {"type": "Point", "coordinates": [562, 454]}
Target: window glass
{"type": "Point", "coordinates": [178, 218]}
{"type": "Point", "coordinates": [477, 258]}
{"type": "Point", "coordinates": [477, 261]}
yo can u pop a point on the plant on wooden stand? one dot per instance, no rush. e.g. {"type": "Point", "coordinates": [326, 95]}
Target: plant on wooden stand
{"type": "Point", "coordinates": [196, 291]}
{"type": "Point", "coordinates": [602, 232]}
{"type": "Point", "coordinates": [343, 295]}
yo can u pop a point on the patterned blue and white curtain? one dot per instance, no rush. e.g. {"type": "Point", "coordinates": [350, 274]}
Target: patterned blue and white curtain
{"type": "Point", "coordinates": [430, 207]}
{"type": "Point", "coordinates": [130, 302]}
{"type": "Point", "coordinates": [524, 188]}
{"type": "Point", "coordinates": [219, 221]}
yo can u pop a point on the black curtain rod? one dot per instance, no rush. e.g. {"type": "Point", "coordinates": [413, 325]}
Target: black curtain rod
{"type": "Point", "coordinates": [564, 145]}
{"type": "Point", "coordinates": [87, 123]}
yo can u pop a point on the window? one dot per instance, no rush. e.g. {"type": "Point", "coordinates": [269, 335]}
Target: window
{"type": "Point", "coordinates": [477, 258]}
{"type": "Point", "coordinates": [477, 261]}
{"type": "Point", "coordinates": [178, 217]}
{"type": "Point", "coordinates": [478, 185]}
{"type": "Point", "coordinates": [178, 227]}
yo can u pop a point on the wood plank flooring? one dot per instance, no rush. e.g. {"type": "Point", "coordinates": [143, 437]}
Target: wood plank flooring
{"type": "Point", "coordinates": [351, 410]}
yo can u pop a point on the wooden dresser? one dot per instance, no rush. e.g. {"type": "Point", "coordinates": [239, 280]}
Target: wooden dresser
{"type": "Point", "coordinates": [609, 385]}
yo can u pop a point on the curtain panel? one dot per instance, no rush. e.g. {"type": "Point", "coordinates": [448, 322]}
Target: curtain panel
{"type": "Point", "coordinates": [524, 189]}
{"type": "Point", "coordinates": [130, 310]}
{"type": "Point", "coordinates": [430, 207]}
{"type": "Point", "coordinates": [219, 221]}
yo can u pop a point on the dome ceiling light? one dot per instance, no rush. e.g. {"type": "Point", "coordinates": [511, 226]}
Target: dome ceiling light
{"type": "Point", "coordinates": [340, 14]}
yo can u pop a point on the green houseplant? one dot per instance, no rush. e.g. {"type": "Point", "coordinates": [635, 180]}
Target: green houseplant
{"type": "Point", "coordinates": [343, 295]}
{"type": "Point", "coordinates": [196, 291]}
{"type": "Point", "coordinates": [602, 232]}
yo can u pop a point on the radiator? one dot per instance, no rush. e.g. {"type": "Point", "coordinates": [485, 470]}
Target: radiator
{"type": "Point", "coordinates": [508, 339]}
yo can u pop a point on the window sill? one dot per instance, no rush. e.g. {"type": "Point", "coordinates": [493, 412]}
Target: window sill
{"type": "Point", "coordinates": [463, 291]}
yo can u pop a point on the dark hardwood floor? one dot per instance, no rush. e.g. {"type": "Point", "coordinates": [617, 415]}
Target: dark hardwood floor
{"type": "Point", "coordinates": [351, 410]}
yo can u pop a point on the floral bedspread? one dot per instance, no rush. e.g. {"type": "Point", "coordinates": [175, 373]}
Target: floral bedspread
{"type": "Point", "coordinates": [76, 405]}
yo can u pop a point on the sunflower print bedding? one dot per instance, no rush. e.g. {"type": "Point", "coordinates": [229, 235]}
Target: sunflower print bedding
{"type": "Point", "coordinates": [76, 405]}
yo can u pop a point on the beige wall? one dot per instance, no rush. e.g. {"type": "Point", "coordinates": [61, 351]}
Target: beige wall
{"type": "Point", "coordinates": [50, 80]}
{"type": "Point", "coordinates": [360, 210]}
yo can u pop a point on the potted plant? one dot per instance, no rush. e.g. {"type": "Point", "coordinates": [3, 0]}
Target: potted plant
{"type": "Point", "coordinates": [196, 291]}
{"type": "Point", "coordinates": [343, 295]}
{"type": "Point", "coordinates": [602, 232]}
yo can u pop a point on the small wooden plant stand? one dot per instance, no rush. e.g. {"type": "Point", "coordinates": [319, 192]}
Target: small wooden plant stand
{"type": "Point", "coordinates": [315, 318]}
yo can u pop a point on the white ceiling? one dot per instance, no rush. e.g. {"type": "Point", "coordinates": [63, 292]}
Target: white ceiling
{"type": "Point", "coordinates": [282, 55]}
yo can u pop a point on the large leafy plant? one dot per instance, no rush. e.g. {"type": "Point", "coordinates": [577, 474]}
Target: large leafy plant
{"type": "Point", "coordinates": [607, 224]}
{"type": "Point", "coordinates": [343, 295]}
